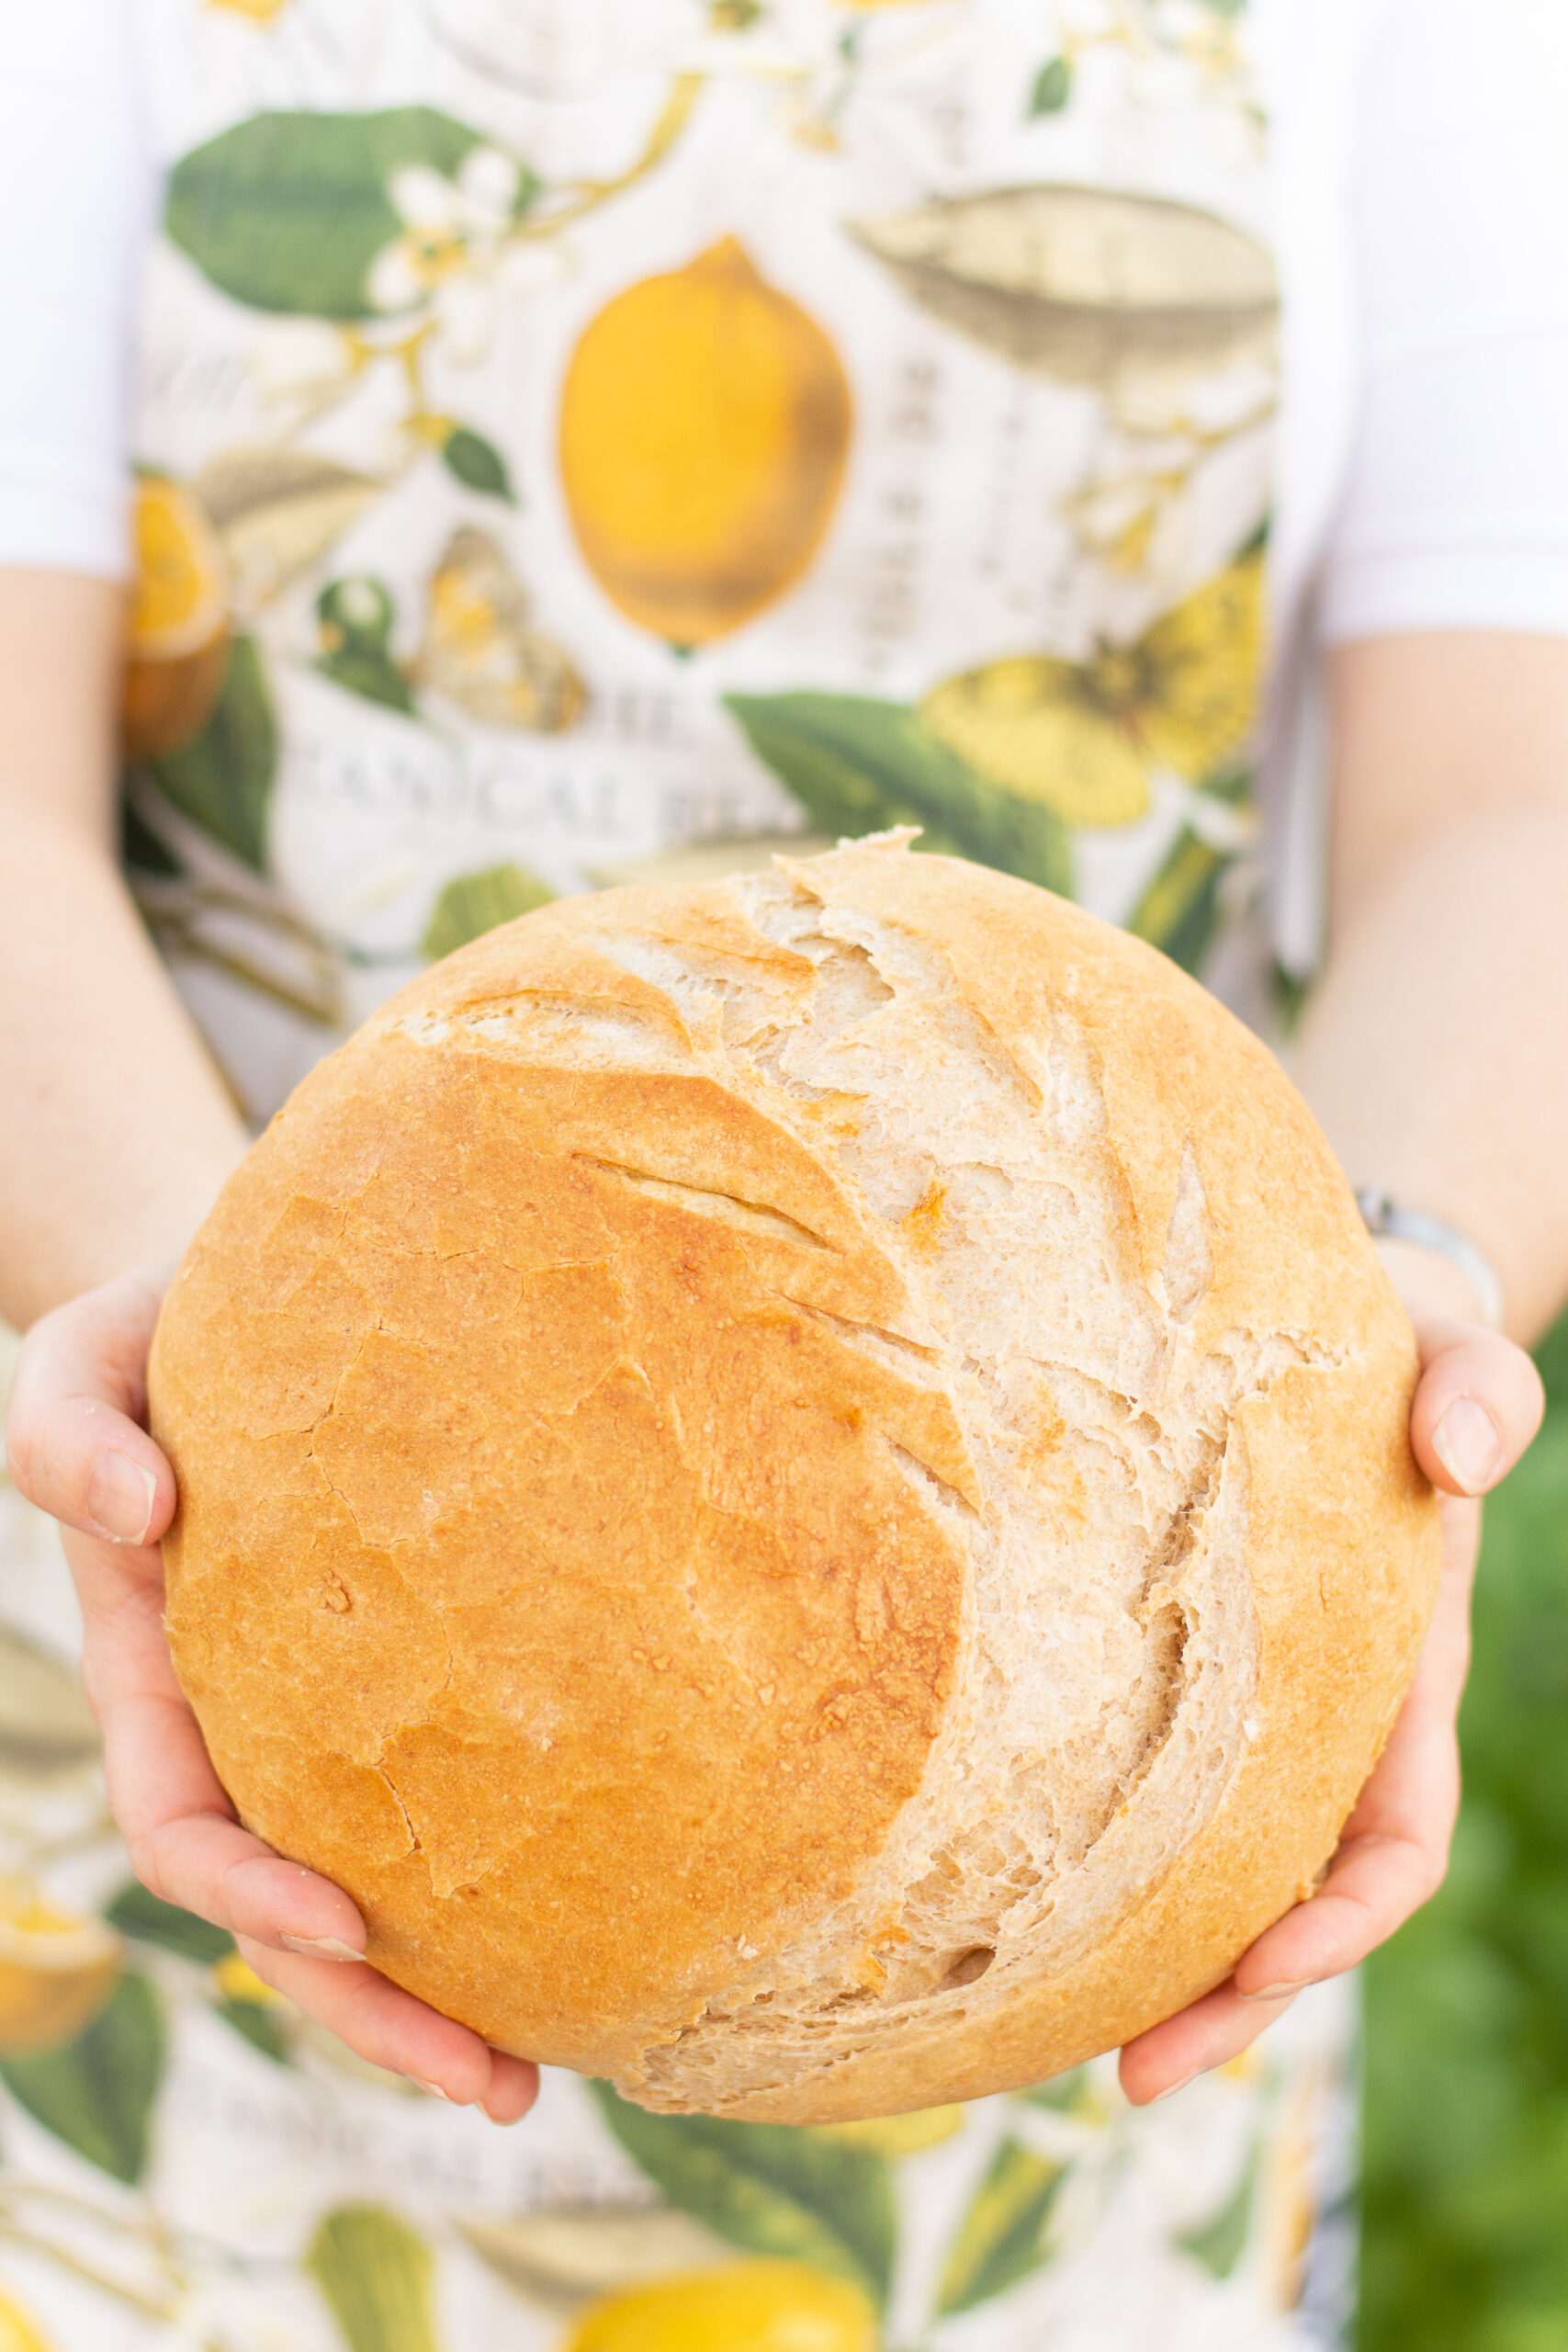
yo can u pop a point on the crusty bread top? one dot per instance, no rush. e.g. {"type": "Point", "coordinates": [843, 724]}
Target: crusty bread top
{"type": "Point", "coordinates": [801, 1485]}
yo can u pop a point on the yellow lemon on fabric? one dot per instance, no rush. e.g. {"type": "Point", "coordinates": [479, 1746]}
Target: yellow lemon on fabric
{"type": "Point", "coordinates": [178, 649]}
{"type": "Point", "coordinates": [897, 2136]}
{"type": "Point", "coordinates": [746, 2307]}
{"type": "Point", "coordinates": [18, 2333]}
{"type": "Point", "coordinates": [1083, 736]}
{"type": "Point", "coordinates": [57, 1969]}
{"type": "Point", "coordinates": [238, 1981]}
{"type": "Point", "coordinates": [704, 424]}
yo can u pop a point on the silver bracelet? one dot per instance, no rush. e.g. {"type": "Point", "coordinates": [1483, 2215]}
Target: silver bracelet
{"type": "Point", "coordinates": [1386, 1221]}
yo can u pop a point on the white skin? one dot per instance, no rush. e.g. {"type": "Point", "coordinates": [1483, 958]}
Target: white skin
{"type": "Point", "coordinates": [1431, 1051]}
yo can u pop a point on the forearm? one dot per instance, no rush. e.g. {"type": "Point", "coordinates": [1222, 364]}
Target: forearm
{"type": "Point", "coordinates": [1433, 1049]}
{"type": "Point", "coordinates": [115, 1129]}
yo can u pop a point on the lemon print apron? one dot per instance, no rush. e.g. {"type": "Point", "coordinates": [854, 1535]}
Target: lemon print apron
{"type": "Point", "coordinates": [589, 440]}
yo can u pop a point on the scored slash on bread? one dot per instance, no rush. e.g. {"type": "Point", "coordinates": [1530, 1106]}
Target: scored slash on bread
{"type": "Point", "coordinates": [864, 1444]}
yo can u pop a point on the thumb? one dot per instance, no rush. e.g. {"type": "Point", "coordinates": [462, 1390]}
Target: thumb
{"type": "Point", "coordinates": [1478, 1405]}
{"type": "Point", "coordinates": [74, 1443]}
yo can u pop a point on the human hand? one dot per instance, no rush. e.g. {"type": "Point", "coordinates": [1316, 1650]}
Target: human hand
{"type": "Point", "coordinates": [77, 1447]}
{"type": "Point", "coordinates": [1477, 1405]}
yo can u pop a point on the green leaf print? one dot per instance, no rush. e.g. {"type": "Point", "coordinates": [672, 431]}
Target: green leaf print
{"type": "Point", "coordinates": [288, 211]}
{"type": "Point", "coordinates": [375, 2271]}
{"type": "Point", "coordinates": [477, 463]}
{"type": "Point", "coordinates": [1179, 910]}
{"type": "Point", "coordinates": [858, 766]}
{"type": "Point", "coordinates": [146, 1919]}
{"type": "Point", "coordinates": [998, 2240]}
{"type": "Point", "coordinates": [258, 2026]}
{"type": "Point", "coordinates": [1053, 86]}
{"type": "Point", "coordinates": [355, 616]}
{"type": "Point", "coordinates": [1220, 2244]}
{"type": "Point", "coordinates": [769, 2188]}
{"type": "Point", "coordinates": [96, 2093]}
{"type": "Point", "coordinates": [224, 781]}
{"type": "Point", "coordinates": [1061, 2094]}
{"type": "Point", "coordinates": [472, 904]}
{"type": "Point", "coordinates": [140, 849]}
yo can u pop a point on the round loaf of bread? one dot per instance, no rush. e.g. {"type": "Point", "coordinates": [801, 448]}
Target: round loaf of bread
{"type": "Point", "coordinates": [801, 1487]}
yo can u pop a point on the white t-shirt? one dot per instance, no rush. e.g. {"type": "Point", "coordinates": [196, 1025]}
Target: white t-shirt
{"type": "Point", "coordinates": [1423, 172]}
{"type": "Point", "coordinates": [1421, 190]}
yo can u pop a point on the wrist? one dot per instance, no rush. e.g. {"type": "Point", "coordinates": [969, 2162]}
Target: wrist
{"type": "Point", "coordinates": [1441, 1264]}
{"type": "Point", "coordinates": [1431, 1286]}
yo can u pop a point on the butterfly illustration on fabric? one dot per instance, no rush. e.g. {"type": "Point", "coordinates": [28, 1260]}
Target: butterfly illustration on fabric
{"type": "Point", "coordinates": [481, 650]}
{"type": "Point", "coordinates": [1084, 738]}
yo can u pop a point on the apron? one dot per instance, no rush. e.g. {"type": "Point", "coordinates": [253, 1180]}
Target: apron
{"type": "Point", "coordinates": [594, 440]}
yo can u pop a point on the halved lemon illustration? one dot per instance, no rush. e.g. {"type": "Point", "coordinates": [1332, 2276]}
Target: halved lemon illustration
{"type": "Point", "coordinates": [57, 1969]}
{"type": "Point", "coordinates": [744, 2307]}
{"type": "Point", "coordinates": [705, 425]}
{"type": "Point", "coordinates": [178, 648]}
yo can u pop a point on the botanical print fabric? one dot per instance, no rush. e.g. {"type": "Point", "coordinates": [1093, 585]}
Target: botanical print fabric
{"type": "Point", "coordinates": [578, 435]}
{"type": "Point", "coordinates": [593, 438]}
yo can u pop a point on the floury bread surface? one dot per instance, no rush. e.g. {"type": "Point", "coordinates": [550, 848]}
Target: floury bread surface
{"type": "Point", "coordinates": [801, 1487]}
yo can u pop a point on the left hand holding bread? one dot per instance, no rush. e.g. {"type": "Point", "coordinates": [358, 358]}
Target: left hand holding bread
{"type": "Point", "coordinates": [77, 1448]}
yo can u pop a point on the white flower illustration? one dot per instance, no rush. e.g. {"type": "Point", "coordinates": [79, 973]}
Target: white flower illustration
{"type": "Point", "coordinates": [452, 246]}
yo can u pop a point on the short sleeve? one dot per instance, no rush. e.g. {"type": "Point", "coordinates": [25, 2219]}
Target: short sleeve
{"type": "Point", "coordinates": [78, 186]}
{"type": "Point", "coordinates": [1456, 507]}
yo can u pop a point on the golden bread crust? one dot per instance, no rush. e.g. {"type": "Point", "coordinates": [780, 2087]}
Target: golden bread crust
{"type": "Point", "coordinates": [605, 1496]}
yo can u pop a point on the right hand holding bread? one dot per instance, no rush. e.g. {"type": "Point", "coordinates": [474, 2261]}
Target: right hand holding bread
{"type": "Point", "coordinates": [77, 1448]}
{"type": "Point", "coordinates": [1393, 1851]}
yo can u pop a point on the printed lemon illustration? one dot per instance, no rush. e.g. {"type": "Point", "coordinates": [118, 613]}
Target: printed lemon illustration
{"type": "Point", "coordinates": [746, 2307]}
{"type": "Point", "coordinates": [57, 1969]}
{"type": "Point", "coordinates": [238, 1981]}
{"type": "Point", "coordinates": [705, 425]}
{"type": "Point", "coordinates": [1083, 736]}
{"type": "Point", "coordinates": [18, 2333]}
{"type": "Point", "coordinates": [179, 625]}
{"type": "Point", "coordinates": [897, 2136]}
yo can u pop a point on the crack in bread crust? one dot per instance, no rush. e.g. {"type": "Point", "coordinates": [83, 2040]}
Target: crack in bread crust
{"type": "Point", "coordinates": [747, 1485]}
{"type": "Point", "coordinates": [1140, 1727]}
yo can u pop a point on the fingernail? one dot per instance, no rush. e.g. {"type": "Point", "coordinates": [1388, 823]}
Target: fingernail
{"type": "Point", "coordinates": [1276, 1992]}
{"type": "Point", "coordinates": [1182, 2086]}
{"type": "Point", "coordinates": [1467, 1444]}
{"type": "Point", "coordinates": [435, 2090]}
{"type": "Point", "coordinates": [320, 1947]}
{"type": "Point", "coordinates": [121, 1498]}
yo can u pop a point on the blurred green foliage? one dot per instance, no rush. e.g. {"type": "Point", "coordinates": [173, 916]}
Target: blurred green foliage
{"type": "Point", "coordinates": [1466, 2149]}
